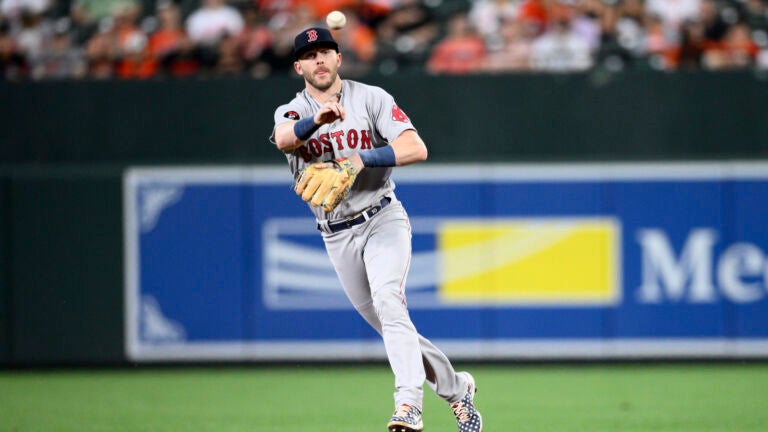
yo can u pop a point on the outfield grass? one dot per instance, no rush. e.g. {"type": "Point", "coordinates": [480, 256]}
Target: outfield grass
{"type": "Point", "coordinates": [512, 398]}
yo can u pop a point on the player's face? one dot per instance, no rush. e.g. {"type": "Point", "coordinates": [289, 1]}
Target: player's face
{"type": "Point", "coordinates": [319, 67]}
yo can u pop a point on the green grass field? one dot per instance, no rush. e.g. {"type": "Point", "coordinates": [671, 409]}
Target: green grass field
{"type": "Point", "coordinates": [519, 398]}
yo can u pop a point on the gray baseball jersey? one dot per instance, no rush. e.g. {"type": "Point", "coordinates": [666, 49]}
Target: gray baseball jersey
{"type": "Point", "coordinates": [372, 119]}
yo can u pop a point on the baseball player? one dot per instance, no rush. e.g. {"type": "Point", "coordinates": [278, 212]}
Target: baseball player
{"type": "Point", "coordinates": [342, 126]}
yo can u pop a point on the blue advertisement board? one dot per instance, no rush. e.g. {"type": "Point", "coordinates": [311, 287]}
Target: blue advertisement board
{"type": "Point", "coordinates": [536, 261]}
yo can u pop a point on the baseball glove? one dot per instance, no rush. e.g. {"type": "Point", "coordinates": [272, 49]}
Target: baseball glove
{"type": "Point", "coordinates": [326, 187]}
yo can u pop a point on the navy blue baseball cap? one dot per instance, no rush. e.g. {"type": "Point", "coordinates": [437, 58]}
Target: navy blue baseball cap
{"type": "Point", "coordinates": [313, 37]}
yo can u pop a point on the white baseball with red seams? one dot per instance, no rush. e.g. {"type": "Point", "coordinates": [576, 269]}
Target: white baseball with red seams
{"type": "Point", "coordinates": [336, 20]}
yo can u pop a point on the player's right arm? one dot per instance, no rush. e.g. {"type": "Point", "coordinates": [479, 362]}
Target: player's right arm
{"type": "Point", "coordinates": [292, 134]}
{"type": "Point", "coordinates": [285, 139]}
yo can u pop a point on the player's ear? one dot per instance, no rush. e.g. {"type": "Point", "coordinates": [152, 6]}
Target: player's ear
{"type": "Point", "coordinates": [338, 56]}
{"type": "Point", "coordinates": [297, 68]}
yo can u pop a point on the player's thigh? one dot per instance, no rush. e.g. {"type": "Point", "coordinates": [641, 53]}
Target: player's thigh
{"type": "Point", "coordinates": [387, 253]}
{"type": "Point", "coordinates": [346, 257]}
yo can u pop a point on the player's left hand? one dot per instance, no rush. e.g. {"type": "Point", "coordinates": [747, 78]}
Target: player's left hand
{"type": "Point", "coordinates": [355, 160]}
{"type": "Point", "coordinates": [326, 184]}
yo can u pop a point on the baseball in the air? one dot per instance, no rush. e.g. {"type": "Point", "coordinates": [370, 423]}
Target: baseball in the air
{"type": "Point", "coordinates": [336, 20]}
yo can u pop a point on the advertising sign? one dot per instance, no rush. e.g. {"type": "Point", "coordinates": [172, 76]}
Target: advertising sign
{"type": "Point", "coordinates": [509, 262]}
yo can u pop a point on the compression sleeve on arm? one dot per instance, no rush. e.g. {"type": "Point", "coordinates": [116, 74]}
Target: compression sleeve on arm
{"type": "Point", "coordinates": [304, 128]}
{"type": "Point", "coordinates": [379, 157]}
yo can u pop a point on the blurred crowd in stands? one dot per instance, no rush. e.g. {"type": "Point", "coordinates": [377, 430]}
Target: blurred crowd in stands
{"type": "Point", "coordinates": [150, 39]}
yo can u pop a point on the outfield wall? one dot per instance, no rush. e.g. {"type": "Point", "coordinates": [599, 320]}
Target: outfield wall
{"type": "Point", "coordinates": [61, 271]}
{"type": "Point", "coordinates": [67, 269]}
{"type": "Point", "coordinates": [510, 262]}
{"type": "Point", "coordinates": [5, 292]}
{"type": "Point", "coordinates": [65, 146]}
{"type": "Point", "coordinates": [472, 118]}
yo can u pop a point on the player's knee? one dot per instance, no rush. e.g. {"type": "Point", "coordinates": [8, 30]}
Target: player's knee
{"type": "Point", "coordinates": [390, 307]}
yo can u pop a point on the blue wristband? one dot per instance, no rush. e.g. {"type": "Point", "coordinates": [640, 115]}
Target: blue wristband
{"type": "Point", "coordinates": [379, 157]}
{"type": "Point", "coordinates": [304, 128]}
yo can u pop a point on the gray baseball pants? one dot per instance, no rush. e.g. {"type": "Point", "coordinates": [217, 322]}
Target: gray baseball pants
{"type": "Point", "coordinates": [372, 260]}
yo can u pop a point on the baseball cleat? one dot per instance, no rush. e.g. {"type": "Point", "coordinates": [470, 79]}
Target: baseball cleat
{"type": "Point", "coordinates": [406, 418]}
{"type": "Point", "coordinates": [467, 416]}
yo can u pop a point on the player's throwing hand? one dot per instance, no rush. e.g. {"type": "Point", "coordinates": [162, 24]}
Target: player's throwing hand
{"type": "Point", "coordinates": [330, 111]}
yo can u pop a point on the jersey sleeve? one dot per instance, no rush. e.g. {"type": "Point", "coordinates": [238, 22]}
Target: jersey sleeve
{"type": "Point", "coordinates": [390, 119]}
{"type": "Point", "coordinates": [286, 113]}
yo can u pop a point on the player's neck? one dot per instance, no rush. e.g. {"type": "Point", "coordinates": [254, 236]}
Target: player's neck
{"type": "Point", "coordinates": [322, 96]}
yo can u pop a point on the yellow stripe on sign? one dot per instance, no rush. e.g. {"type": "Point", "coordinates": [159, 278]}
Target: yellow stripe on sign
{"type": "Point", "coordinates": [529, 261]}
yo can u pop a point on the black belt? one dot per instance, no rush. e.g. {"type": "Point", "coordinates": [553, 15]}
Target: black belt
{"type": "Point", "coordinates": [358, 218]}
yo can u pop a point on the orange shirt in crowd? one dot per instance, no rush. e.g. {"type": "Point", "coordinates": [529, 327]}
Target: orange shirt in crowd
{"type": "Point", "coordinates": [360, 39]}
{"type": "Point", "coordinates": [139, 68]}
{"type": "Point", "coordinates": [457, 56]}
{"type": "Point", "coordinates": [535, 12]}
{"type": "Point", "coordinates": [323, 7]}
{"type": "Point", "coordinates": [166, 41]}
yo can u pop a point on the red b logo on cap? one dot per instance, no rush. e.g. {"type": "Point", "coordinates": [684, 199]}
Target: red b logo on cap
{"type": "Point", "coordinates": [311, 35]}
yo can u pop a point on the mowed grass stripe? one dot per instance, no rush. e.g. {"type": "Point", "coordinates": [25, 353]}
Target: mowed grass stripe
{"type": "Point", "coordinates": [594, 398]}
